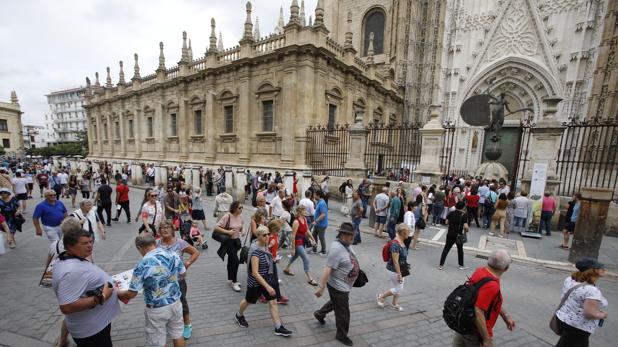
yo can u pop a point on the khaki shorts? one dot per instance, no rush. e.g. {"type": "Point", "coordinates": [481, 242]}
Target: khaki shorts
{"type": "Point", "coordinates": [163, 322]}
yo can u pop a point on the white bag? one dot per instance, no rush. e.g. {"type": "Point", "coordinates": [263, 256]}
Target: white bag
{"type": "Point", "coordinates": [345, 210]}
{"type": "Point", "coordinates": [2, 245]}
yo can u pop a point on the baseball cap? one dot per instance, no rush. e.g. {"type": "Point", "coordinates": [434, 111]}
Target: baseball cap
{"type": "Point", "coordinates": [588, 263]}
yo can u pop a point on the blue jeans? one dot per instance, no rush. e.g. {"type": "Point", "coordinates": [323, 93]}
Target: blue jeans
{"type": "Point", "coordinates": [489, 211]}
{"type": "Point", "coordinates": [365, 202]}
{"type": "Point", "coordinates": [546, 221]}
{"type": "Point", "coordinates": [437, 213]}
{"type": "Point", "coordinates": [519, 221]}
{"type": "Point", "coordinates": [356, 223]}
{"type": "Point", "coordinates": [390, 228]}
{"type": "Point", "coordinates": [300, 252]}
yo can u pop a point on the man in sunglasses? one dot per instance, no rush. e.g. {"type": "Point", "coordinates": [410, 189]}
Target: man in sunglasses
{"type": "Point", "coordinates": [49, 213]}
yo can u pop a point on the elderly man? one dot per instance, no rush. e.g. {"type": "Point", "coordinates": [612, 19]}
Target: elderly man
{"type": "Point", "coordinates": [49, 213]}
{"type": "Point", "coordinates": [158, 274]}
{"type": "Point", "coordinates": [488, 302]}
{"type": "Point", "coordinates": [276, 205]}
{"type": "Point", "coordinates": [89, 220]}
{"type": "Point", "coordinates": [339, 275]}
{"type": "Point", "coordinates": [380, 205]}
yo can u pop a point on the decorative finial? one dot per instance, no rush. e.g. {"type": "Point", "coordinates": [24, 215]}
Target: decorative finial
{"type": "Point", "coordinates": [370, 49]}
{"type": "Point", "coordinates": [302, 13]}
{"type": "Point", "coordinates": [121, 74]}
{"type": "Point", "coordinates": [161, 57]}
{"type": "Point", "coordinates": [280, 23]}
{"type": "Point", "coordinates": [108, 79]}
{"type": "Point", "coordinates": [256, 29]}
{"type": "Point", "coordinates": [185, 51]}
{"type": "Point", "coordinates": [213, 37]}
{"type": "Point", "coordinates": [294, 12]}
{"type": "Point", "coordinates": [190, 51]}
{"type": "Point", "coordinates": [220, 44]}
{"type": "Point", "coordinates": [248, 34]}
{"type": "Point", "coordinates": [96, 79]}
{"type": "Point", "coordinates": [88, 85]}
{"type": "Point", "coordinates": [319, 14]}
{"type": "Point", "coordinates": [349, 35]}
{"type": "Point", "coordinates": [136, 68]}
{"type": "Point", "coordinates": [14, 99]}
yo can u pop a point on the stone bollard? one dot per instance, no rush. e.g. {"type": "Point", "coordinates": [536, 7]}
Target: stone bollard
{"type": "Point", "coordinates": [305, 183]}
{"type": "Point", "coordinates": [161, 175]}
{"type": "Point", "coordinates": [229, 180]}
{"type": "Point", "coordinates": [188, 175]}
{"type": "Point", "coordinates": [195, 177]}
{"type": "Point", "coordinates": [288, 181]}
{"type": "Point", "coordinates": [137, 176]}
{"type": "Point", "coordinates": [377, 183]}
{"type": "Point", "coordinates": [239, 186]}
{"type": "Point", "coordinates": [590, 224]}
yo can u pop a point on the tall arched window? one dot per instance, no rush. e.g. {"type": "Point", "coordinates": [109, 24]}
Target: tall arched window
{"type": "Point", "coordinates": [374, 23]}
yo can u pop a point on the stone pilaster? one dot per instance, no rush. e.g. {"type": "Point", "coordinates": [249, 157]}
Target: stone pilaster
{"type": "Point", "coordinates": [590, 225]}
{"type": "Point", "coordinates": [137, 176]}
{"type": "Point", "coordinates": [195, 177]}
{"type": "Point", "coordinates": [188, 175]}
{"type": "Point", "coordinates": [432, 136]}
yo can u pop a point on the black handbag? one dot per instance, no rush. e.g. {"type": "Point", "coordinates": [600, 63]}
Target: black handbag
{"type": "Point", "coordinates": [222, 237]}
{"type": "Point", "coordinates": [405, 269]}
{"type": "Point", "coordinates": [461, 239]}
{"type": "Point", "coordinates": [420, 223]}
{"type": "Point", "coordinates": [244, 251]}
{"type": "Point", "coordinates": [361, 280]}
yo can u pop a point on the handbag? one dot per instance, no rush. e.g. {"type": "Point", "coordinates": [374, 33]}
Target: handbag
{"type": "Point", "coordinates": [222, 237]}
{"type": "Point", "coordinates": [553, 322]}
{"type": "Point", "coordinates": [420, 223]}
{"type": "Point", "coordinates": [461, 239]}
{"type": "Point", "coordinates": [361, 280]}
{"type": "Point", "coordinates": [405, 269]}
{"type": "Point", "coordinates": [152, 226]}
{"type": "Point", "coordinates": [244, 251]}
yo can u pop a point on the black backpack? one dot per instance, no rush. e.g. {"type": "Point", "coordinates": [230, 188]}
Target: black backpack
{"type": "Point", "coordinates": [459, 313]}
{"type": "Point", "coordinates": [342, 188]}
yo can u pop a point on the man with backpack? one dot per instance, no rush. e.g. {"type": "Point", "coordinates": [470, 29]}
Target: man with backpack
{"type": "Point", "coordinates": [489, 205]}
{"type": "Point", "coordinates": [472, 309]}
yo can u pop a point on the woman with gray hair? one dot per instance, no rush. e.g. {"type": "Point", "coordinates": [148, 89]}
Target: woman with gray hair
{"type": "Point", "coordinates": [89, 220]}
{"type": "Point", "coordinates": [397, 266]}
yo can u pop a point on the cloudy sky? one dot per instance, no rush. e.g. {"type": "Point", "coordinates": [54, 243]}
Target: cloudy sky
{"type": "Point", "coordinates": [49, 45]}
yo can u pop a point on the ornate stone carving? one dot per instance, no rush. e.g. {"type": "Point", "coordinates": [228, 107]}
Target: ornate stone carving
{"type": "Point", "coordinates": [515, 34]}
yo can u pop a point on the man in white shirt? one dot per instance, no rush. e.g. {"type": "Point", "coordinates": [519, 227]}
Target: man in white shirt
{"type": "Point", "coordinates": [380, 206]}
{"type": "Point", "coordinates": [63, 179]}
{"type": "Point", "coordinates": [483, 190]}
{"type": "Point", "coordinates": [19, 188]}
{"type": "Point", "coordinates": [89, 220]}
{"type": "Point", "coordinates": [309, 207]}
{"type": "Point", "coordinates": [504, 188]}
{"type": "Point", "coordinates": [520, 213]}
{"type": "Point", "coordinates": [276, 205]}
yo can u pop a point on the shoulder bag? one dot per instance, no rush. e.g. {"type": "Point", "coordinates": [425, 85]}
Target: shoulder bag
{"type": "Point", "coordinates": [553, 322]}
{"type": "Point", "coordinates": [244, 251]}
{"type": "Point", "coordinates": [361, 279]}
{"type": "Point", "coordinates": [462, 237]}
{"type": "Point", "coordinates": [152, 226]}
{"type": "Point", "coordinates": [222, 237]}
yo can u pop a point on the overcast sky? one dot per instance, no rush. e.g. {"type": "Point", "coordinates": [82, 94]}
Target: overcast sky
{"type": "Point", "coordinates": [49, 45]}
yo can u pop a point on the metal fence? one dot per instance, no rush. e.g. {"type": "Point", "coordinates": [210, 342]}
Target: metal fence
{"type": "Point", "coordinates": [393, 150]}
{"type": "Point", "coordinates": [446, 152]}
{"type": "Point", "coordinates": [327, 149]}
{"type": "Point", "coordinates": [523, 154]}
{"type": "Point", "coordinates": [588, 155]}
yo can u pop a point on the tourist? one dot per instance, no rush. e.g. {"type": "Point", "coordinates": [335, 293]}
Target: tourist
{"type": "Point", "coordinates": [42, 179]}
{"type": "Point", "coordinates": [87, 217]}
{"type": "Point", "coordinates": [472, 206]}
{"type": "Point", "coordinates": [286, 228]}
{"type": "Point", "coordinates": [339, 275]}
{"type": "Point", "coordinates": [197, 236]}
{"type": "Point", "coordinates": [483, 190]}
{"type": "Point", "coordinates": [356, 212]}
{"type": "Point", "coordinates": [348, 192]}
{"type": "Point", "coordinates": [260, 279]}
{"type": "Point", "coordinates": [489, 298]}
{"type": "Point", "coordinates": [85, 293]}
{"type": "Point", "coordinates": [489, 206]}
{"type": "Point", "coordinates": [397, 266]}
{"type": "Point", "coordinates": [393, 214]}
{"type": "Point", "coordinates": [157, 274]}
{"type": "Point", "coordinates": [503, 187]}
{"type": "Point", "coordinates": [29, 182]}
{"type": "Point", "coordinates": [420, 217]}
{"type": "Point", "coordinates": [364, 190]}
{"type": "Point", "coordinates": [380, 206]}
{"type": "Point", "coordinates": [171, 243]}
{"type": "Point", "coordinates": [232, 225]}
{"type": "Point", "coordinates": [431, 197]}
{"type": "Point", "coordinates": [63, 179]}
{"type": "Point", "coordinates": [259, 217]}
{"type": "Point", "coordinates": [438, 206]}
{"type": "Point", "coordinates": [151, 214]}
{"type": "Point", "coordinates": [410, 221]}
{"type": "Point", "coordinates": [223, 202]}
{"type": "Point", "coordinates": [548, 208]}
{"type": "Point", "coordinates": [20, 189]}
{"type": "Point", "coordinates": [273, 246]}
{"type": "Point", "coordinates": [171, 202]}
{"type": "Point", "coordinates": [457, 222]}
{"type": "Point", "coordinates": [499, 216]}
{"type": "Point", "coordinates": [5, 179]}
{"type": "Point", "coordinates": [521, 205]}
{"type": "Point", "coordinates": [584, 307]}
{"type": "Point", "coordinates": [72, 189]}
{"type": "Point", "coordinates": [309, 206]}
{"type": "Point", "coordinates": [49, 213]}
{"type": "Point", "coordinates": [197, 205]}
{"type": "Point", "coordinates": [325, 189]}
{"type": "Point", "coordinates": [301, 237]}
{"type": "Point", "coordinates": [85, 186]}
{"type": "Point", "coordinates": [510, 207]}
{"type": "Point", "coordinates": [122, 201]}
{"type": "Point", "coordinates": [103, 197]}
{"type": "Point", "coordinates": [276, 204]}
{"type": "Point", "coordinates": [571, 218]}
{"type": "Point", "coordinates": [320, 223]}
{"type": "Point", "coordinates": [270, 194]}
{"type": "Point", "coordinates": [10, 208]}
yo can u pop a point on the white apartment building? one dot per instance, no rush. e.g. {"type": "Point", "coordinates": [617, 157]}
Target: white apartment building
{"type": "Point", "coordinates": [35, 136]}
{"type": "Point", "coordinates": [66, 118]}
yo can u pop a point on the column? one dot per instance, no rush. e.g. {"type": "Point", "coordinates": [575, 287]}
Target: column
{"type": "Point", "coordinates": [288, 181]}
{"type": "Point", "coordinates": [432, 137]}
{"type": "Point", "coordinates": [289, 106]}
{"type": "Point", "coordinates": [241, 181]}
{"type": "Point", "coordinates": [242, 124]}
{"type": "Point", "coordinates": [160, 118]}
{"type": "Point", "coordinates": [305, 183]}
{"type": "Point", "coordinates": [229, 180]}
{"type": "Point", "coordinates": [590, 224]}
{"type": "Point", "coordinates": [162, 174]}
{"type": "Point", "coordinates": [183, 129]}
{"type": "Point", "coordinates": [355, 165]}
{"type": "Point", "coordinates": [138, 130]}
{"type": "Point", "coordinates": [211, 128]}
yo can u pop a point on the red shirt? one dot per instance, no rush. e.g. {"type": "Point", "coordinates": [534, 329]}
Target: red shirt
{"type": "Point", "coordinates": [273, 238]}
{"type": "Point", "coordinates": [472, 200]}
{"type": "Point", "coordinates": [549, 204]}
{"type": "Point", "coordinates": [301, 232]}
{"type": "Point", "coordinates": [489, 295]}
{"type": "Point", "coordinates": [122, 193]}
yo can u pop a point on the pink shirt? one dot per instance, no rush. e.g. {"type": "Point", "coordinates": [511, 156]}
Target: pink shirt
{"type": "Point", "coordinates": [549, 204]}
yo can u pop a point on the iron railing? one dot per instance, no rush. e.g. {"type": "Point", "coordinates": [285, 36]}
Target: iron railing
{"type": "Point", "coordinates": [327, 149]}
{"type": "Point", "coordinates": [446, 152]}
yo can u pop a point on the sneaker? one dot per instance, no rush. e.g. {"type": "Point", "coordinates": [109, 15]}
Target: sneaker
{"type": "Point", "coordinates": [345, 340]}
{"type": "Point", "coordinates": [380, 300]}
{"type": "Point", "coordinates": [282, 331]}
{"type": "Point", "coordinates": [440, 267]}
{"type": "Point", "coordinates": [242, 322]}
{"type": "Point", "coordinates": [115, 219]}
{"type": "Point", "coordinates": [204, 245]}
{"type": "Point", "coordinates": [236, 287]}
{"type": "Point", "coordinates": [12, 244]}
{"type": "Point", "coordinates": [319, 318]}
{"type": "Point", "coordinates": [187, 332]}
{"type": "Point", "coordinates": [491, 234]}
{"type": "Point", "coordinates": [283, 300]}
{"type": "Point", "coordinates": [323, 254]}
{"type": "Point", "coordinates": [395, 307]}
{"type": "Point", "coordinates": [463, 268]}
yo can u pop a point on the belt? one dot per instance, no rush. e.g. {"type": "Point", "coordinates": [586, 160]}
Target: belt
{"type": "Point", "coordinates": [154, 306]}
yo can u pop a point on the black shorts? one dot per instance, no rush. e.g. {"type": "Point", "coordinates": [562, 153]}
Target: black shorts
{"type": "Point", "coordinates": [198, 215]}
{"type": "Point", "coordinates": [570, 227]}
{"type": "Point", "coordinates": [30, 185]}
{"type": "Point", "coordinates": [253, 293]}
{"type": "Point", "coordinates": [22, 196]}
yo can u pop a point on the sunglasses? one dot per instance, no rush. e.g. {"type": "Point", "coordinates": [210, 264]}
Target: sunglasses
{"type": "Point", "coordinates": [154, 195]}
{"type": "Point", "coordinates": [265, 235]}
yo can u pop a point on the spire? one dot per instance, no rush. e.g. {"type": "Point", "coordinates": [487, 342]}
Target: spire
{"type": "Point", "coordinates": [184, 57]}
{"type": "Point", "coordinates": [370, 49]}
{"type": "Point", "coordinates": [256, 29]}
{"type": "Point", "coordinates": [121, 74]}
{"type": "Point", "coordinates": [248, 34]}
{"type": "Point", "coordinates": [190, 51]}
{"type": "Point", "coordinates": [310, 21]}
{"type": "Point", "coordinates": [302, 13]}
{"type": "Point", "coordinates": [136, 68]}
{"type": "Point", "coordinates": [220, 45]}
{"type": "Point", "coordinates": [96, 79]}
{"type": "Point", "coordinates": [161, 58]}
{"type": "Point", "coordinates": [88, 85]}
{"type": "Point", "coordinates": [280, 23]}
{"type": "Point", "coordinates": [348, 45]}
{"type": "Point", "coordinates": [213, 37]}
{"type": "Point", "coordinates": [14, 99]}
{"type": "Point", "coordinates": [294, 12]}
{"type": "Point", "coordinates": [108, 79]}
{"type": "Point", "coordinates": [319, 14]}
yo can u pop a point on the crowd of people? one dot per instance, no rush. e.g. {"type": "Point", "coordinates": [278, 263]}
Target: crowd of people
{"type": "Point", "coordinates": [171, 227]}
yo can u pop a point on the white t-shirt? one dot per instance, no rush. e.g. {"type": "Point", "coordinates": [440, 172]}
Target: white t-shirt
{"type": "Point", "coordinates": [324, 187]}
{"type": "Point", "coordinates": [381, 201]}
{"type": "Point", "coordinates": [277, 206]}
{"type": "Point", "coordinates": [521, 206]}
{"type": "Point", "coordinates": [287, 217]}
{"type": "Point", "coordinates": [20, 185]}
{"type": "Point", "coordinates": [483, 190]}
{"type": "Point", "coordinates": [91, 222]}
{"type": "Point", "coordinates": [309, 207]}
{"type": "Point", "coordinates": [409, 219]}
{"type": "Point", "coordinates": [572, 312]}
{"type": "Point", "coordinates": [63, 178]}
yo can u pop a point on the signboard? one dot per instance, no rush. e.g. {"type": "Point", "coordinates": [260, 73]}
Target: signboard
{"type": "Point", "coordinates": [426, 180]}
{"type": "Point", "coordinates": [539, 179]}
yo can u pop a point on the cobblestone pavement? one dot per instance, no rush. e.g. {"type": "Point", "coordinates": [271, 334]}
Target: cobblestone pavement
{"type": "Point", "coordinates": [29, 315]}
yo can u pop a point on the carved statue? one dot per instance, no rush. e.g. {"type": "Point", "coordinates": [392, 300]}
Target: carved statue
{"type": "Point", "coordinates": [496, 113]}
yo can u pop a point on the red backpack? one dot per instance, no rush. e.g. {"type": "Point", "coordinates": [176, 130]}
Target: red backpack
{"type": "Point", "coordinates": [386, 250]}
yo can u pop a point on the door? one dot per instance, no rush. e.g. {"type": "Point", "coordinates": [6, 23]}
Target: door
{"type": "Point", "coordinates": [510, 146]}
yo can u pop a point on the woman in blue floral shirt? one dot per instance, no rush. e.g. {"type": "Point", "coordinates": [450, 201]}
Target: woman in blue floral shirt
{"type": "Point", "coordinates": [397, 267]}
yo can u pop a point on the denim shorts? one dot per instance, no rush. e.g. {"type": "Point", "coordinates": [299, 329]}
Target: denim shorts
{"type": "Point", "coordinates": [381, 219]}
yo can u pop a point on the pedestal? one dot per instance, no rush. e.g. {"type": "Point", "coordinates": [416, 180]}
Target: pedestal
{"type": "Point", "coordinates": [431, 139]}
{"type": "Point", "coordinates": [288, 181]}
{"type": "Point", "coordinates": [377, 184]}
{"type": "Point", "coordinates": [239, 186]}
{"type": "Point", "coordinates": [229, 180]}
{"type": "Point", "coordinates": [195, 178]}
{"type": "Point", "coordinates": [355, 165]}
{"type": "Point", "coordinates": [188, 175]}
{"type": "Point", "coordinates": [305, 183]}
{"type": "Point", "coordinates": [590, 224]}
{"type": "Point", "coordinates": [137, 176]}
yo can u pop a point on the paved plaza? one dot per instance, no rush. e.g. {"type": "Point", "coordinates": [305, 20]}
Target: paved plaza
{"type": "Point", "coordinates": [29, 315]}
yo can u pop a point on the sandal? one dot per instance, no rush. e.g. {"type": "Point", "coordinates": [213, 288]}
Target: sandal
{"type": "Point", "coordinates": [564, 247]}
{"type": "Point", "coordinates": [313, 283]}
{"type": "Point", "coordinates": [395, 307]}
{"type": "Point", "coordinates": [380, 300]}
{"type": "Point", "coordinates": [287, 272]}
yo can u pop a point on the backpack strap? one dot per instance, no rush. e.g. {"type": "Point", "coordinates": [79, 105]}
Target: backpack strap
{"type": "Point", "coordinates": [478, 286]}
